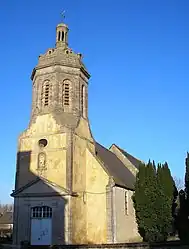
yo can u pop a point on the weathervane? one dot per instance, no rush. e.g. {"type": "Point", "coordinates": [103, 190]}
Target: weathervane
{"type": "Point", "coordinates": [63, 14]}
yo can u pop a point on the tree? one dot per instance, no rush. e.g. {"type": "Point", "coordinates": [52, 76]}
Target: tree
{"type": "Point", "coordinates": [166, 201]}
{"type": "Point", "coordinates": [155, 193]}
{"type": "Point", "coordinates": [5, 208]}
{"type": "Point", "coordinates": [187, 179]}
{"type": "Point", "coordinates": [139, 199]}
{"type": "Point", "coordinates": [151, 191]}
{"type": "Point", "coordinates": [182, 219]}
{"type": "Point", "coordinates": [144, 200]}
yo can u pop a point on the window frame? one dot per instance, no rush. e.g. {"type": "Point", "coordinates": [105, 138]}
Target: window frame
{"type": "Point", "coordinates": [41, 212]}
{"type": "Point", "coordinates": [66, 93]}
{"type": "Point", "coordinates": [45, 93]}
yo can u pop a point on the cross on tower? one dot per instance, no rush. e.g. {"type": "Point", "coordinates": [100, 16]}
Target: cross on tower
{"type": "Point", "coordinates": [63, 14]}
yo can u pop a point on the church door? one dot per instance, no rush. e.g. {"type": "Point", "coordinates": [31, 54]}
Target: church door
{"type": "Point", "coordinates": [41, 226]}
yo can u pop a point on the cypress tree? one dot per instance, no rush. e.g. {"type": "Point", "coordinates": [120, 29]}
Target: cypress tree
{"type": "Point", "coordinates": [182, 219]}
{"type": "Point", "coordinates": [145, 201]}
{"type": "Point", "coordinates": [166, 198]}
{"type": "Point", "coordinates": [153, 201]}
{"type": "Point", "coordinates": [161, 200]}
{"type": "Point", "coordinates": [183, 213]}
{"type": "Point", "coordinates": [151, 194]}
{"type": "Point", "coordinates": [187, 179]}
{"type": "Point", "coordinates": [139, 199]}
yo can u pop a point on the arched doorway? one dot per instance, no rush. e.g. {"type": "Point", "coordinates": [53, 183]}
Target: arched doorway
{"type": "Point", "coordinates": [41, 225]}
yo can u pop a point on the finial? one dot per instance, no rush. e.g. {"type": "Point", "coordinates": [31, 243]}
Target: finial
{"type": "Point", "coordinates": [63, 15]}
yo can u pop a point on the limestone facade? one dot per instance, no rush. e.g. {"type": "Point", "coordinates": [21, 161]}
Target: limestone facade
{"type": "Point", "coordinates": [61, 166]}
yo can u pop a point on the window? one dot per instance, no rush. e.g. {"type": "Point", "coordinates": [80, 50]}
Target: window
{"type": "Point", "coordinates": [41, 212]}
{"type": "Point", "coordinates": [45, 93]}
{"type": "Point", "coordinates": [42, 143]}
{"type": "Point", "coordinates": [66, 93]}
{"type": "Point", "coordinates": [126, 203]}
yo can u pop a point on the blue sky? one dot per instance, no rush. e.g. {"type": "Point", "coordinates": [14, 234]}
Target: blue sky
{"type": "Point", "coordinates": [137, 52]}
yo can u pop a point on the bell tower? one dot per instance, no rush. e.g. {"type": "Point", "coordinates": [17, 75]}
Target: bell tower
{"type": "Point", "coordinates": [59, 110]}
{"type": "Point", "coordinates": [51, 151]}
{"type": "Point", "coordinates": [60, 81]}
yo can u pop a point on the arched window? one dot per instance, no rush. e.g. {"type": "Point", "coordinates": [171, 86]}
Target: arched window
{"type": "Point", "coordinates": [66, 93]}
{"type": "Point", "coordinates": [45, 93]}
{"type": "Point", "coordinates": [41, 212]}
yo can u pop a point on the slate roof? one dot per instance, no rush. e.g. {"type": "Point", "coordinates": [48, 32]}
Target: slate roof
{"type": "Point", "coordinates": [6, 218]}
{"type": "Point", "coordinates": [136, 162]}
{"type": "Point", "coordinates": [115, 168]}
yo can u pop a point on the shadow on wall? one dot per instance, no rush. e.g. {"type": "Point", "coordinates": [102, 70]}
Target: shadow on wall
{"type": "Point", "coordinates": [39, 205]}
{"type": "Point", "coordinates": [23, 173]}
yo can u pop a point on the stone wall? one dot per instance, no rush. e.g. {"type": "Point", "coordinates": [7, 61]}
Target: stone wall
{"type": "Point", "coordinates": [125, 226]}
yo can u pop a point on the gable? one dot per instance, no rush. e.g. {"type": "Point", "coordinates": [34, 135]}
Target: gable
{"type": "Point", "coordinates": [128, 160]}
{"type": "Point", "coordinates": [41, 187]}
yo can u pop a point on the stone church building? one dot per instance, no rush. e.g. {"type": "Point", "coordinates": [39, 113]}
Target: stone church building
{"type": "Point", "coordinates": [69, 189]}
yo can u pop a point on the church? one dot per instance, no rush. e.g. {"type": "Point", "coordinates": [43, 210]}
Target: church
{"type": "Point", "coordinates": [69, 189]}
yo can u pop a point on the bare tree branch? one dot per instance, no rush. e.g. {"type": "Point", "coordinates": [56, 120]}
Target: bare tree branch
{"type": "Point", "coordinates": [179, 183]}
{"type": "Point", "coordinates": [6, 208]}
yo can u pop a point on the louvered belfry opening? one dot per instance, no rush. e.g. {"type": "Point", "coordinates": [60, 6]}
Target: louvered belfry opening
{"type": "Point", "coordinates": [66, 93]}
